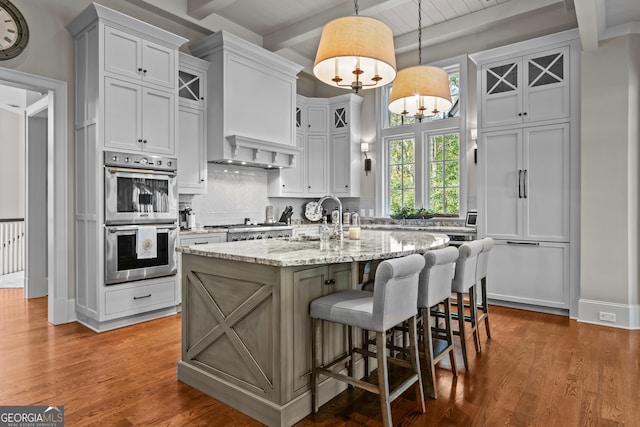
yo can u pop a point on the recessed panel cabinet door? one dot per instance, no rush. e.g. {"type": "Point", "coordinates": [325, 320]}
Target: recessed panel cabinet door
{"type": "Point", "coordinates": [158, 121]}
{"type": "Point", "coordinates": [192, 163]}
{"type": "Point", "coordinates": [122, 53]}
{"type": "Point", "coordinates": [500, 176]}
{"type": "Point", "coordinates": [546, 183]}
{"type": "Point", "coordinates": [159, 64]}
{"type": "Point", "coordinates": [122, 115]}
{"type": "Point", "coordinates": [316, 153]}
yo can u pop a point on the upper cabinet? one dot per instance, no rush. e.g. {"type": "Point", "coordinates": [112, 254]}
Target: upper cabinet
{"type": "Point", "coordinates": [251, 103]}
{"type": "Point", "coordinates": [192, 125]}
{"type": "Point", "coordinates": [526, 89]}
{"type": "Point", "coordinates": [328, 133]}
{"type": "Point", "coordinates": [125, 71]}
{"type": "Point", "coordinates": [138, 59]}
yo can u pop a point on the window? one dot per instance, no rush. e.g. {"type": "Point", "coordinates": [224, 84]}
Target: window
{"type": "Point", "coordinates": [444, 173]}
{"type": "Point", "coordinates": [402, 176]}
{"type": "Point", "coordinates": [424, 163]}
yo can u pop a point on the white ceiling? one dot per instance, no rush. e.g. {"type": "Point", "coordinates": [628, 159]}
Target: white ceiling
{"type": "Point", "coordinates": [292, 28]}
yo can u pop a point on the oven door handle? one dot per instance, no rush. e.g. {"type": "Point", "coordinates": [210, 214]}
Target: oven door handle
{"type": "Point", "coordinates": [147, 171]}
{"type": "Point", "coordinates": [114, 230]}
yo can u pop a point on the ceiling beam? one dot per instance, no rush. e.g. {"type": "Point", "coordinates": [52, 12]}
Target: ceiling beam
{"type": "Point", "coordinates": [470, 24]}
{"type": "Point", "coordinates": [200, 9]}
{"type": "Point", "coordinates": [312, 27]}
{"type": "Point", "coordinates": [588, 15]}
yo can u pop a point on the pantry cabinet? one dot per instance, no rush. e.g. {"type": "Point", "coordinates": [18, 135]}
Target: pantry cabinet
{"type": "Point", "coordinates": [125, 100]}
{"type": "Point", "coordinates": [192, 125]}
{"type": "Point", "coordinates": [527, 170]}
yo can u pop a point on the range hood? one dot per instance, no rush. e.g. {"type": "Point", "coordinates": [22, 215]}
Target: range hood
{"type": "Point", "coordinates": [246, 151]}
{"type": "Point", "coordinates": [251, 106]}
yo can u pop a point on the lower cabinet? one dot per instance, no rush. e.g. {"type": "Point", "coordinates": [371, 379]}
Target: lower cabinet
{"type": "Point", "coordinates": [310, 284]}
{"type": "Point", "coordinates": [534, 273]}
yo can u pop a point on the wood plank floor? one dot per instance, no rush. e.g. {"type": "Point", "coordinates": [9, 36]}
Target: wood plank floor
{"type": "Point", "coordinates": [537, 370]}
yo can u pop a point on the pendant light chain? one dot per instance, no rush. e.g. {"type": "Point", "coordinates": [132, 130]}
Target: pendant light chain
{"type": "Point", "coordinates": [419, 32]}
{"type": "Point", "coordinates": [355, 6]}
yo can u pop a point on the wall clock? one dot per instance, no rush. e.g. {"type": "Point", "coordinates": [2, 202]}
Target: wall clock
{"type": "Point", "coordinates": [14, 32]}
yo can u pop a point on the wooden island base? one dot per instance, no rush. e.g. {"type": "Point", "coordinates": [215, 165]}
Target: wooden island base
{"type": "Point", "coordinates": [246, 330]}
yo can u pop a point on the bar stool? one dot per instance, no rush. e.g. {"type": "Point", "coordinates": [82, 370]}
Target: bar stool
{"type": "Point", "coordinates": [435, 289]}
{"type": "Point", "coordinates": [396, 284]}
{"type": "Point", "coordinates": [481, 279]}
{"type": "Point", "coordinates": [464, 281]}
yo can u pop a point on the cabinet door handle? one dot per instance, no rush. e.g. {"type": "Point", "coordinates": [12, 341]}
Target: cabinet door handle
{"type": "Point", "coordinates": [144, 141]}
{"type": "Point", "coordinates": [200, 243]}
{"type": "Point", "coordinates": [330, 282]}
{"type": "Point", "coordinates": [144, 296]}
{"type": "Point", "coordinates": [519, 183]}
{"type": "Point", "coordinates": [140, 140]}
{"type": "Point", "coordinates": [525, 183]}
{"type": "Point", "coordinates": [510, 242]}
{"type": "Point", "coordinates": [139, 70]}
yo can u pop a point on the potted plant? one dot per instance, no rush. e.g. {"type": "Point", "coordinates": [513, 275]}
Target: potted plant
{"type": "Point", "coordinates": [412, 213]}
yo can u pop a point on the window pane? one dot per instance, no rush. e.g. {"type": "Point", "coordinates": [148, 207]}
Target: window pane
{"type": "Point", "coordinates": [409, 199]}
{"type": "Point", "coordinates": [395, 177]}
{"type": "Point", "coordinates": [435, 199]}
{"type": "Point", "coordinates": [409, 176]}
{"type": "Point", "coordinates": [435, 177]}
{"type": "Point", "coordinates": [436, 147]}
{"type": "Point", "coordinates": [451, 170]}
{"type": "Point", "coordinates": [452, 146]}
{"type": "Point", "coordinates": [395, 200]}
{"type": "Point", "coordinates": [452, 201]}
{"type": "Point", "coordinates": [409, 152]}
{"type": "Point", "coordinates": [395, 152]}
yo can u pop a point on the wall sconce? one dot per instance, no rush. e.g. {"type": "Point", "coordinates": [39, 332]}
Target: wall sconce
{"type": "Point", "coordinates": [474, 137]}
{"type": "Point", "coordinates": [364, 147]}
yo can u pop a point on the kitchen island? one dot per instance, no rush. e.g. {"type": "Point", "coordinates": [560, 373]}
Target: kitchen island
{"type": "Point", "coordinates": [246, 330]}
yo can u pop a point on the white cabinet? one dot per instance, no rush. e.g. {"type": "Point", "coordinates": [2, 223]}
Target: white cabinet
{"type": "Point", "coordinates": [138, 118]}
{"type": "Point", "coordinates": [192, 164]}
{"type": "Point", "coordinates": [251, 102]}
{"type": "Point", "coordinates": [316, 171]}
{"type": "Point", "coordinates": [192, 125]}
{"type": "Point", "coordinates": [526, 89]}
{"type": "Point", "coordinates": [524, 179]}
{"type": "Point", "coordinates": [529, 273]}
{"type": "Point", "coordinates": [118, 106]}
{"type": "Point", "coordinates": [137, 58]}
{"type": "Point", "coordinates": [526, 169]}
{"type": "Point", "coordinates": [329, 137]}
{"type": "Point", "coordinates": [202, 238]}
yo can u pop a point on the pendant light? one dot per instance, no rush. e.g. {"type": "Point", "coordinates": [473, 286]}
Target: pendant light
{"type": "Point", "coordinates": [356, 48]}
{"type": "Point", "coordinates": [420, 91]}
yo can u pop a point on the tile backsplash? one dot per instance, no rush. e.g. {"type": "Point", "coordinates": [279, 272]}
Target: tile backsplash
{"type": "Point", "coordinates": [238, 192]}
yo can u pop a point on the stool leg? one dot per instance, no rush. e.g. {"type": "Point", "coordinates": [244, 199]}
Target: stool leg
{"type": "Point", "coordinates": [383, 378]}
{"type": "Point", "coordinates": [463, 345]}
{"type": "Point", "coordinates": [315, 376]}
{"type": "Point", "coordinates": [365, 345]}
{"type": "Point", "coordinates": [350, 366]}
{"type": "Point", "coordinates": [449, 332]}
{"type": "Point", "coordinates": [415, 362]}
{"type": "Point", "coordinates": [427, 343]}
{"type": "Point", "coordinates": [473, 313]}
{"type": "Point", "coordinates": [485, 306]}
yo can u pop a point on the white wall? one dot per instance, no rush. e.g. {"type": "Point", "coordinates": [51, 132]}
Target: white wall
{"type": "Point", "coordinates": [609, 178]}
{"type": "Point", "coordinates": [12, 164]}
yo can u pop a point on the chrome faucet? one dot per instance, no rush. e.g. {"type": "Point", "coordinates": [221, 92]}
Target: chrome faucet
{"type": "Point", "coordinates": [332, 197]}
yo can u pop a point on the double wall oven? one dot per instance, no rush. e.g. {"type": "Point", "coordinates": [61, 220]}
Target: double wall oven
{"type": "Point", "coordinates": [141, 214]}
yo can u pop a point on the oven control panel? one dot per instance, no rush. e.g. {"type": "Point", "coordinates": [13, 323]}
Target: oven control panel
{"type": "Point", "coordinates": [139, 161]}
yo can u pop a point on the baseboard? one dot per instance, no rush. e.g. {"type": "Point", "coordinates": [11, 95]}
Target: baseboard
{"type": "Point", "coordinates": [63, 309]}
{"type": "Point", "coordinates": [108, 325]}
{"type": "Point", "coordinates": [530, 307]}
{"type": "Point", "coordinates": [627, 316]}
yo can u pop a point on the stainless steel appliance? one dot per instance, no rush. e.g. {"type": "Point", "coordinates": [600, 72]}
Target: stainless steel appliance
{"type": "Point", "coordinates": [122, 263]}
{"type": "Point", "coordinates": [140, 189]}
{"type": "Point", "coordinates": [239, 232]}
{"type": "Point", "coordinates": [456, 239]}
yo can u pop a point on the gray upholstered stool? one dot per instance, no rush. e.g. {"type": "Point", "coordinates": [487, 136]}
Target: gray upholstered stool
{"type": "Point", "coordinates": [396, 286]}
{"type": "Point", "coordinates": [481, 280]}
{"type": "Point", "coordinates": [464, 281]}
{"type": "Point", "coordinates": [435, 289]}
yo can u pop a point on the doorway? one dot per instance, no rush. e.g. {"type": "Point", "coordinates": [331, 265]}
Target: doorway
{"type": "Point", "coordinates": [61, 308]}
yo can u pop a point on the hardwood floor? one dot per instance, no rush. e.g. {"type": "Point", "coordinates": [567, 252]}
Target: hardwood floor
{"type": "Point", "coordinates": [538, 369]}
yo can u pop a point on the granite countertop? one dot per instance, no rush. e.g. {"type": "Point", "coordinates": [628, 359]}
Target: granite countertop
{"type": "Point", "coordinates": [202, 231]}
{"type": "Point", "coordinates": [431, 228]}
{"type": "Point", "coordinates": [373, 245]}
